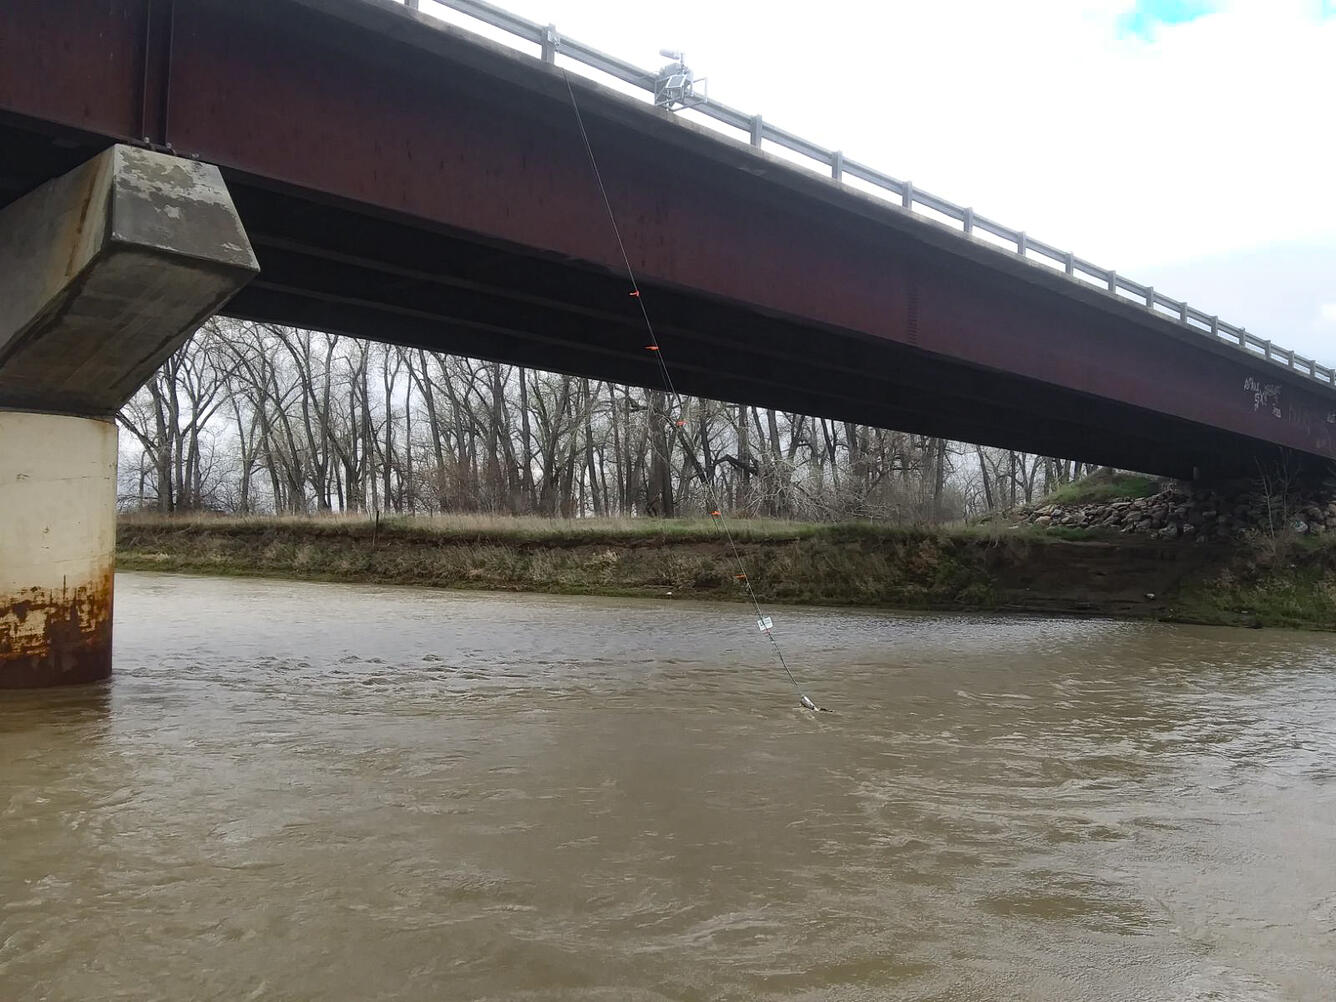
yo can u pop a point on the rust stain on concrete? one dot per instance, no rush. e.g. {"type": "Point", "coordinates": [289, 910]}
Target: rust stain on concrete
{"type": "Point", "coordinates": [50, 638]}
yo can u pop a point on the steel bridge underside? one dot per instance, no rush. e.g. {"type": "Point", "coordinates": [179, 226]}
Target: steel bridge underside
{"type": "Point", "coordinates": [405, 182]}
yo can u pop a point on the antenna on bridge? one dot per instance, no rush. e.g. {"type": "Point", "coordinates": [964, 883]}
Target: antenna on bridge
{"type": "Point", "coordinates": [675, 88]}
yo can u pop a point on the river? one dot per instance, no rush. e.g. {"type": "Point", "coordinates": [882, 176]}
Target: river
{"type": "Point", "coordinates": [305, 791]}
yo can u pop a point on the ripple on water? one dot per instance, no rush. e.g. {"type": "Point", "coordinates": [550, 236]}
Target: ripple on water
{"type": "Point", "coordinates": [314, 791]}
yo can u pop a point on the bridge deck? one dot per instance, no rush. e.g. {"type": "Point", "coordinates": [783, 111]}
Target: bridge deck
{"type": "Point", "coordinates": [405, 181]}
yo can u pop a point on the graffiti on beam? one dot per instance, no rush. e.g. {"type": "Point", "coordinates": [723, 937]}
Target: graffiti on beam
{"type": "Point", "coordinates": [1266, 396]}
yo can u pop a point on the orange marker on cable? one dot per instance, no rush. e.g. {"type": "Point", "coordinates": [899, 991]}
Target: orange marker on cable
{"type": "Point", "coordinates": [762, 620]}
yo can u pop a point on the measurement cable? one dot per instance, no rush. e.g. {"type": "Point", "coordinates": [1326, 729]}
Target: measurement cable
{"type": "Point", "coordinates": [763, 622]}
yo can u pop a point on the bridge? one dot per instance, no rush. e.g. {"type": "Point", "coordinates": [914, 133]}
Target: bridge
{"type": "Point", "coordinates": [358, 166]}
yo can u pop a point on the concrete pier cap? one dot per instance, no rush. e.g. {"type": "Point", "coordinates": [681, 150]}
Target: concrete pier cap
{"type": "Point", "coordinates": [103, 273]}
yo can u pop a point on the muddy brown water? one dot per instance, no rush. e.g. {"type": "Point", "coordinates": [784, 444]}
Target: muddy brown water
{"type": "Point", "coordinates": [304, 791]}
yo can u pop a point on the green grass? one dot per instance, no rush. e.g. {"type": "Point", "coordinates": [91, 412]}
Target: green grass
{"type": "Point", "coordinates": [998, 532]}
{"type": "Point", "coordinates": [1284, 582]}
{"type": "Point", "coordinates": [1101, 487]}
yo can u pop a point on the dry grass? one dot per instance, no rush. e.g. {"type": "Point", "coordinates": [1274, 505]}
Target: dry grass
{"type": "Point", "coordinates": [473, 526]}
{"type": "Point", "coordinates": [860, 563]}
{"type": "Point", "coordinates": [535, 529]}
{"type": "Point", "coordinates": [854, 563]}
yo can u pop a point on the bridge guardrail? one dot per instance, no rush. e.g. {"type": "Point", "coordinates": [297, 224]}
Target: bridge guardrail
{"type": "Point", "coordinates": [551, 44]}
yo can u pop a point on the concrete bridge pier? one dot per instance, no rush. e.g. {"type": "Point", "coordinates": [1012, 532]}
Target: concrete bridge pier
{"type": "Point", "coordinates": [57, 548]}
{"type": "Point", "coordinates": [103, 273]}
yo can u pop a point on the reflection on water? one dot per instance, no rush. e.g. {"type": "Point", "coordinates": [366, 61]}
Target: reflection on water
{"type": "Point", "coordinates": [296, 791]}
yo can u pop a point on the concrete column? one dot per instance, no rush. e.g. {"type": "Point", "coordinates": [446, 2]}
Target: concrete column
{"type": "Point", "coordinates": [103, 273]}
{"type": "Point", "coordinates": [57, 548]}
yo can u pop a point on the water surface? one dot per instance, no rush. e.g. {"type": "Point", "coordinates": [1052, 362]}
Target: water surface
{"type": "Point", "coordinates": [304, 791]}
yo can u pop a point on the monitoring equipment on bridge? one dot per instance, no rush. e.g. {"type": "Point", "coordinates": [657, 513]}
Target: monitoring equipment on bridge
{"type": "Point", "coordinates": [676, 86]}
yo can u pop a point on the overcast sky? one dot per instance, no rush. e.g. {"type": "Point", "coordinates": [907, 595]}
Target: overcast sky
{"type": "Point", "coordinates": [1188, 144]}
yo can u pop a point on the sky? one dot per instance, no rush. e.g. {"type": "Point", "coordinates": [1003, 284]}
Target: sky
{"type": "Point", "coordinates": [1188, 144]}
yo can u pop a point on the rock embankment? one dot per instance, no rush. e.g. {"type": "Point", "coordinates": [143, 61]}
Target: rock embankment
{"type": "Point", "coordinates": [1185, 511]}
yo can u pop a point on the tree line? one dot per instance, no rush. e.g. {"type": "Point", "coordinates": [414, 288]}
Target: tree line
{"type": "Point", "coordinates": [254, 418]}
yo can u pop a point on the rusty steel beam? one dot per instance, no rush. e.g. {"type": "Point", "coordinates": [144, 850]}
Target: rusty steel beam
{"type": "Point", "coordinates": [156, 86]}
{"type": "Point", "coordinates": [577, 333]}
{"type": "Point", "coordinates": [75, 65]}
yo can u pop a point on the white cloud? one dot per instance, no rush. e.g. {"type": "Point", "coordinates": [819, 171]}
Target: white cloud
{"type": "Point", "coordinates": [1210, 137]}
{"type": "Point", "coordinates": [1276, 291]}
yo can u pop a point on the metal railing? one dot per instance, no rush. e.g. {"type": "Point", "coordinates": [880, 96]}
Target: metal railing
{"type": "Point", "coordinates": [551, 44]}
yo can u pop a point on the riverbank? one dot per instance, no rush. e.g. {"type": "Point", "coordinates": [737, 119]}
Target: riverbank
{"type": "Point", "coordinates": [1290, 583]}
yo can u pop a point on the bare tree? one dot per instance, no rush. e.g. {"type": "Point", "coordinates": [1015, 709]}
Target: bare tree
{"type": "Point", "coordinates": [255, 417]}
